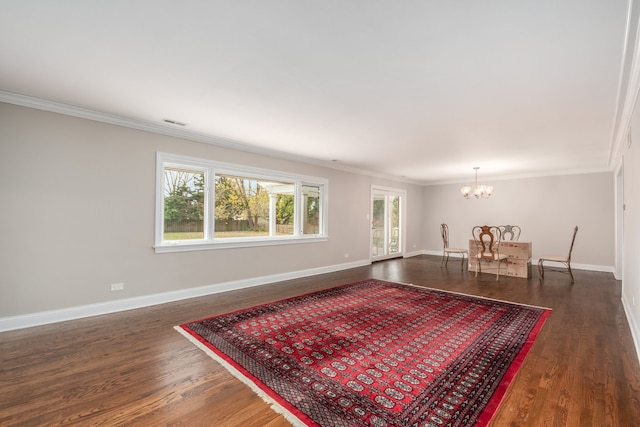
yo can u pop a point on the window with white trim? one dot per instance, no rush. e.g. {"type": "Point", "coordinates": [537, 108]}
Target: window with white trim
{"type": "Point", "coordinates": [203, 204]}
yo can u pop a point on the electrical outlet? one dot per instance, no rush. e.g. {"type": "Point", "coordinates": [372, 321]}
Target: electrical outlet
{"type": "Point", "coordinates": [117, 286]}
{"type": "Point", "coordinates": [346, 255]}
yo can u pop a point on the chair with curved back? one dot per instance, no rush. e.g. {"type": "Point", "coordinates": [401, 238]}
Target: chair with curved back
{"type": "Point", "coordinates": [562, 259]}
{"type": "Point", "coordinates": [487, 240]}
{"type": "Point", "coordinates": [511, 231]}
{"type": "Point", "coordinates": [444, 231]}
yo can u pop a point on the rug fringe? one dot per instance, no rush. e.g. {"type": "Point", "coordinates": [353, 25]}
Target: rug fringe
{"type": "Point", "coordinates": [275, 406]}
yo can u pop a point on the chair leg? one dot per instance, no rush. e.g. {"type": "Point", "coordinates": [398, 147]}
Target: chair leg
{"type": "Point", "coordinates": [462, 262]}
{"type": "Point", "coordinates": [506, 264]}
{"type": "Point", "coordinates": [541, 269]}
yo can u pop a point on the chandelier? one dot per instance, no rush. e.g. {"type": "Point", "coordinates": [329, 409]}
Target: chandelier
{"type": "Point", "coordinates": [479, 191]}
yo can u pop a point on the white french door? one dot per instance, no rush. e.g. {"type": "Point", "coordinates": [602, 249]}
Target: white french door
{"type": "Point", "coordinates": [386, 223]}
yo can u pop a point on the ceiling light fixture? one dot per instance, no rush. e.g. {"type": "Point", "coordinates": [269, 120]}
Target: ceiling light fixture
{"type": "Point", "coordinates": [479, 191]}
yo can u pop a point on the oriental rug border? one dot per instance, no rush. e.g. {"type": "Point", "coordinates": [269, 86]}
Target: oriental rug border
{"type": "Point", "coordinates": [375, 353]}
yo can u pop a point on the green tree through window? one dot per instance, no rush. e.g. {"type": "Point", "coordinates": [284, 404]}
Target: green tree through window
{"type": "Point", "coordinates": [183, 204]}
{"type": "Point", "coordinates": [201, 202]}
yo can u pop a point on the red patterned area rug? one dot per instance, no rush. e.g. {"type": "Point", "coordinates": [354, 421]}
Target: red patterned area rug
{"type": "Point", "coordinates": [375, 353]}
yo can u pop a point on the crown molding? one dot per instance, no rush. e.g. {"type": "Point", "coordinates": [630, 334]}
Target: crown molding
{"type": "Point", "coordinates": [511, 177]}
{"type": "Point", "coordinates": [169, 130]}
{"type": "Point", "coordinates": [627, 91]}
{"type": "Point", "coordinates": [159, 128]}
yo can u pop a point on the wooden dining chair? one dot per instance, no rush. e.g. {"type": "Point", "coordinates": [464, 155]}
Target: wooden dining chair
{"type": "Point", "coordinates": [512, 232]}
{"type": "Point", "coordinates": [446, 251]}
{"type": "Point", "coordinates": [561, 259]}
{"type": "Point", "coordinates": [487, 240]}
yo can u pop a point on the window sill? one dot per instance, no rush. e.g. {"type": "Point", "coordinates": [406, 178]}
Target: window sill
{"type": "Point", "coordinates": [201, 245]}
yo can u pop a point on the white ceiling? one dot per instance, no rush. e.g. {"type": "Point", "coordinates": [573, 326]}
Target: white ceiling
{"type": "Point", "coordinates": [421, 89]}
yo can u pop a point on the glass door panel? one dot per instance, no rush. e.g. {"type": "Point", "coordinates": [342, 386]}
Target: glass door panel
{"type": "Point", "coordinates": [386, 231]}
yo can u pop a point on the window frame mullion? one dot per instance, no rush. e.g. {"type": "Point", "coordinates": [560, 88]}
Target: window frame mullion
{"type": "Point", "coordinates": [212, 169]}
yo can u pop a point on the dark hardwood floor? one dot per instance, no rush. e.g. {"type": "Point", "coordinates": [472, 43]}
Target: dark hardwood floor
{"type": "Point", "coordinates": [133, 368]}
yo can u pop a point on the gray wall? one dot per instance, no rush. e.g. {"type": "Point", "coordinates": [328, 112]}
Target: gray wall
{"type": "Point", "coordinates": [78, 214]}
{"type": "Point", "coordinates": [547, 209]}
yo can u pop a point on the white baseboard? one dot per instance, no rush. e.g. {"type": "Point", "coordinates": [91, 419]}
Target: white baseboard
{"type": "Point", "coordinates": [411, 254]}
{"type": "Point", "coordinates": [633, 325]}
{"type": "Point", "coordinates": [45, 317]}
{"type": "Point", "coordinates": [534, 261]}
{"type": "Point", "coordinates": [430, 252]}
